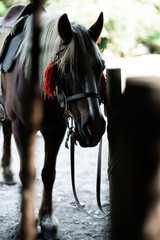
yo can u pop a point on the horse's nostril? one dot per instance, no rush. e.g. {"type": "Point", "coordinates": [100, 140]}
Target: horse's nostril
{"type": "Point", "coordinates": [87, 129]}
{"type": "Point", "coordinates": [92, 131]}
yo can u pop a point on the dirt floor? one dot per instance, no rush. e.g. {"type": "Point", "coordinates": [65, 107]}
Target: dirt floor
{"type": "Point", "coordinates": [73, 224]}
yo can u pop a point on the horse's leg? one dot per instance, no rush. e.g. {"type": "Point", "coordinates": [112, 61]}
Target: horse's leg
{"type": "Point", "coordinates": [53, 140]}
{"type": "Point", "coordinates": [6, 158]}
{"type": "Point", "coordinates": [24, 137]}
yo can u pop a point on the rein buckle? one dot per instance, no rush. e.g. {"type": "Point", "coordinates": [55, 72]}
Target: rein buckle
{"type": "Point", "coordinates": [71, 131]}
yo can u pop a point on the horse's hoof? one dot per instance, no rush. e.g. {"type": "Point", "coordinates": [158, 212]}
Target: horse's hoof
{"type": "Point", "coordinates": [8, 176]}
{"type": "Point", "coordinates": [49, 223]}
{"type": "Point", "coordinates": [9, 180]}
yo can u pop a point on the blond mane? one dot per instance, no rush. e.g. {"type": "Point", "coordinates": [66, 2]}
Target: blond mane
{"type": "Point", "coordinates": [82, 50]}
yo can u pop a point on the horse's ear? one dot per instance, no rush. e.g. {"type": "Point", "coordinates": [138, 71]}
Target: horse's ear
{"type": "Point", "coordinates": [96, 28]}
{"type": "Point", "coordinates": [64, 28]}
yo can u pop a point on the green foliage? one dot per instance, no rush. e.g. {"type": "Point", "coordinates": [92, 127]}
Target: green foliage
{"type": "Point", "coordinates": [103, 43]}
{"type": "Point", "coordinates": [3, 8]}
{"type": "Point", "coordinates": [9, 3]}
{"type": "Point", "coordinates": [152, 41]}
{"type": "Point", "coordinates": [131, 23]}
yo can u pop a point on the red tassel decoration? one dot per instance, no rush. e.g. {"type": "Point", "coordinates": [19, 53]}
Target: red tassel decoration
{"type": "Point", "coordinates": [103, 90]}
{"type": "Point", "coordinates": [50, 80]}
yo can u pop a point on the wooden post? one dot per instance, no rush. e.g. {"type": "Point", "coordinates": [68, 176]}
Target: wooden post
{"type": "Point", "coordinates": [113, 86]}
{"type": "Point", "coordinates": [134, 162]}
{"type": "Point", "coordinates": [111, 107]}
{"type": "Point", "coordinates": [33, 116]}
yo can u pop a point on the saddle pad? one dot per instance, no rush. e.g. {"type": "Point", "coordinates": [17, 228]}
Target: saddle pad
{"type": "Point", "coordinates": [10, 57]}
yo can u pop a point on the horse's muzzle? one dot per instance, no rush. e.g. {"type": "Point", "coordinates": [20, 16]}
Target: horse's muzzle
{"type": "Point", "coordinates": [89, 135]}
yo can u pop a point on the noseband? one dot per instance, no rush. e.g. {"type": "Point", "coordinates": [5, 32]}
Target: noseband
{"type": "Point", "coordinates": [83, 95]}
{"type": "Point", "coordinates": [63, 100]}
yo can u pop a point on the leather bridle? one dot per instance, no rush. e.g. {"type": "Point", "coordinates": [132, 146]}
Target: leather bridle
{"type": "Point", "coordinates": [63, 100]}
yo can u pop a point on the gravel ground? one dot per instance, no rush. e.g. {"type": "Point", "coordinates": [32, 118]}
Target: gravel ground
{"type": "Point", "coordinates": [73, 223]}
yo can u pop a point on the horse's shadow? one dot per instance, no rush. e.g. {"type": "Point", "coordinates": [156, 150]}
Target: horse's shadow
{"type": "Point", "coordinates": [47, 235]}
{"type": "Point", "coordinates": [43, 235]}
{"type": "Point", "coordinates": [14, 231]}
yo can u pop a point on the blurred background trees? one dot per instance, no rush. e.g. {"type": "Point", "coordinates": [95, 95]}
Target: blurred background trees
{"type": "Point", "coordinates": [132, 27]}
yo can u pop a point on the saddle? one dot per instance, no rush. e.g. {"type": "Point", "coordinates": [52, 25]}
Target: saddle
{"type": "Point", "coordinates": [13, 23]}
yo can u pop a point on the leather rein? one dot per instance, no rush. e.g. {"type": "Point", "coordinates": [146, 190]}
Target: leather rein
{"type": "Point", "coordinates": [72, 135]}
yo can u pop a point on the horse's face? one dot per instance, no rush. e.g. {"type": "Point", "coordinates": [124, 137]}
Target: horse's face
{"type": "Point", "coordinates": [82, 75]}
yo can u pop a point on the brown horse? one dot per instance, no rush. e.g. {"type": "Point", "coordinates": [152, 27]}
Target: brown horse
{"type": "Point", "coordinates": [73, 90]}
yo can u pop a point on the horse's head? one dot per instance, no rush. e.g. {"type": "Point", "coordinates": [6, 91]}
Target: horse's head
{"type": "Point", "coordinates": [79, 74]}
